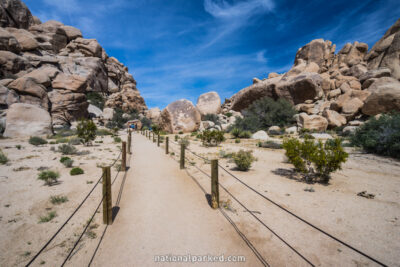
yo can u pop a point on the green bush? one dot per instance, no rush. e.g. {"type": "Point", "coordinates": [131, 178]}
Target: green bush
{"type": "Point", "coordinates": [76, 171]}
{"type": "Point", "coordinates": [75, 141]}
{"type": "Point", "coordinates": [315, 159]}
{"type": "Point", "coordinates": [185, 141]}
{"type": "Point", "coordinates": [264, 113]}
{"type": "Point", "coordinates": [67, 149]}
{"type": "Point", "coordinates": [380, 136]}
{"type": "Point", "coordinates": [243, 159]}
{"type": "Point", "coordinates": [212, 117]}
{"type": "Point", "coordinates": [61, 140]}
{"type": "Point", "coordinates": [212, 138]}
{"type": "Point", "coordinates": [18, 147]}
{"type": "Point", "coordinates": [103, 132]}
{"type": "Point", "coordinates": [96, 99]}
{"type": "Point", "coordinates": [237, 141]}
{"type": "Point", "coordinates": [64, 159]}
{"type": "Point", "coordinates": [176, 137]}
{"type": "Point", "coordinates": [117, 139]}
{"type": "Point", "coordinates": [156, 128]}
{"type": "Point", "coordinates": [50, 216]}
{"type": "Point", "coordinates": [68, 163]}
{"type": "Point", "coordinates": [245, 134]}
{"type": "Point", "coordinates": [3, 158]}
{"type": "Point", "coordinates": [56, 200]}
{"type": "Point", "coordinates": [36, 141]}
{"type": "Point", "coordinates": [235, 132]}
{"type": "Point", "coordinates": [118, 120]}
{"type": "Point", "coordinates": [86, 130]}
{"type": "Point", "coordinates": [49, 177]}
{"type": "Point", "coordinates": [229, 114]}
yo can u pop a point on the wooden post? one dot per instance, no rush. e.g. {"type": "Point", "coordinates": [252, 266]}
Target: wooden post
{"type": "Point", "coordinates": [214, 184]}
{"type": "Point", "coordinates": [154, 137]}
{"type": "Point", "coordinates": [182, 161]}
{"type": "Point", "coordinates": [158, 139]}
{"type": "Point", "coordinates": [107, 204]}
{"type": "Point", "coordinates": [129, 142]}
{"type": "Point", "coordinates": [166, 145]}
{"type": "Point", "coordinates": [123, 163]}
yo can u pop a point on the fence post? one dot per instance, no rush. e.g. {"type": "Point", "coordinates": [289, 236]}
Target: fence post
{"type": "Point", "coordinates": [107, 204]}
{"type": "Point", "coordinates": [182, 161]}
{"type": "Point", "coordinates": [129, 142]}
{"type": "Point", "coordinates": [166, 145]}
{"type": "Point", "coordinates": [214, 184]}
{"type": "Point", "coordinates": [158, 139]}
{"type": "Point", "coordinates": [123, 163]}
{"type": "Point", "coordinates": [154, 137]}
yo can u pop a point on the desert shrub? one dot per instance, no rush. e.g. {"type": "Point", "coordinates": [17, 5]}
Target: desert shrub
{"type": "Point", "coordinates": [212, 138]}
{"type": "Point", "coordinates": [118, 120]}
{"type": "Point", "coordinates": [243, 159]}
{"type": "Point", "coordinates": [380, 136]}
{"type": "Point", "coordinates": [194, 134]}
{"type": "Point", "coordinates": [223, 154]}
{"type": "Point", "coordinates": [36, 141]}
{"type": "Point", "coordinates": [18, 147]}
{"type": "Point", "coordinates": [50, 216]}
{"type": "Point", "coordinates": [56, 200]}
{"type": "Point", "coordinates": [180, 132]}
{"type": "Point", "coordinates": [235, 132]}
{"type": "Point", "coordinates": [68, 163]}
{"type": "Point", "coordinates": [176, 137]}
{"type": "Point", "coordinates": [96, 99]}
{"type": "Point", "coordinates": [3, 158]}
{"type": "Point", "coordinates": [156, 128]}
{"type": "Point", "coordinates": [315, 159]}
{"type": "Point", "coordinates": [212, 117]}
{"type": "Point", "coordinates": [86, 130]}
{"type": "Point", "coordinates": [103, 132]}
{"type": "Point", "coordinates": [117, 139]}
{"type": "Point", "coordinates": [49, 177]}
{"type": "Point", "coordinates": [76, 171]}
{"type": "Point", "coordinates": [75, 141]}
{"type": "Point", "coordinates": [245, 134]}
{"type": "Point", "coordinates": [229, 114]}
{"type": "Point", "coordinates": [65, 132]}
{"type": "Point", "coordinates": [270, 144]}
{"type": "Point", "coordinates": [61, 140]}
{"type": "Point", "coordinates": [67, 149]}
{"type": "Point", "coordinates": [185, 141]}
{"type": "Point", "coordinates": [237, 141]}
{"type": "Point", "coordinates": [64, 159]}
{"type": "Point", "coordinates": [264, 113]}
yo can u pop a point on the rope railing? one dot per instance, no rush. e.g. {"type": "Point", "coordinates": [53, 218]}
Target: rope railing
{"type": "Point", "coordinates": [72, 215]}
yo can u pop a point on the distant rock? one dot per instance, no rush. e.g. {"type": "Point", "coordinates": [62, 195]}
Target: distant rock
{"type": "Point", "coordinates": [312, 122]}
{"type": "Point", "coordinates": [108, 113]}
{"type": "Point", "coordinates": [27, 120]}
{"type": "Point", "coordinates": [260, 135]}
{"type": "Point", "coordinates": [274, 130]}
{"type": "Point", "coordinates": [180, 115]}
{"type": "Point", "coordinates": [321, 136]}
{"type": "Point", "coordinates": [291, 130]}
{"type": "Point", "coordinates": [154, 114]}
{"type": "Point", "coordinates": [209, 103]}
{"type": "Point", "coordinates": [94, 111]}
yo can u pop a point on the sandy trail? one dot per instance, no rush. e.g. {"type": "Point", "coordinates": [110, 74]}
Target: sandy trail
{"type": "Point", "coordinates": [162, 212]}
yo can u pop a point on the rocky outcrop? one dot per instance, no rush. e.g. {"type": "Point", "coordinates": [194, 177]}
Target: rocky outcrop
{"type": "Point", "coordinates": [312, 122]}
{"type": "Point", "coordinates": [180, 116]}
{"type": "Point", "coordinates": [154, 114]}
{"type": "Point", "coordinates": [50, 65]}
{"type": "Point", "coordinates": [386, 52]}
{"type": "Point", "coordinates": [27, 120]}
{"type": "Point", "coordinates": [385, 97]}
{"type": "Point", "coordinates": [209, 103]}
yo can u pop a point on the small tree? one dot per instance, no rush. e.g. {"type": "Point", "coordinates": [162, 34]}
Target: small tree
{"type": "Point", "coordinates": [49, 177]}
{"type": "Point", "coordinates": [86, 129]}
{"type": "Point", "coordinates": [315, 159]}
{"type": "Point", "coordinates": [243, 159]}
{"type": "Point", "coordinates": [212, 138]}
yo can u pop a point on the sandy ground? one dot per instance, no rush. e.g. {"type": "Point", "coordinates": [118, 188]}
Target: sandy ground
{"type": "Point", "coordinates": [164, 211]}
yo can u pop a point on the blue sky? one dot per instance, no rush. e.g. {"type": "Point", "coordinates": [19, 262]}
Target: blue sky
{"type": "Point", "coordinates": [182, 48]}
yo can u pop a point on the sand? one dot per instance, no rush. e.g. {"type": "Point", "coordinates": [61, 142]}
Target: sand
{"type": "Point", "coordinates": [164, 211]}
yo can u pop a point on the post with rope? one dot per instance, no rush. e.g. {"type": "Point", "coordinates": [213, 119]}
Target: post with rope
{"type": "Point", "coordinates": [154, 137]}
{"type": "Point", "coordinates": [158, 139]}
{"type": "Point", "coordinates": [166, 145]}
{"type": "Point", "coordinates": [129, 142]}
{"type": "Point", "coordinates": [182, 160]}
{"type": "Point", "coordinates": [123, 163]}
{"type": "Point", "coordinates": [107, 204]}
{"type": "Point", "coordinates": [214, 184]}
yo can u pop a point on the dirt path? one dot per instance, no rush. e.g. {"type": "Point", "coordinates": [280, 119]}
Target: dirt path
{"type": "Point", "coordinates": [163, 212]}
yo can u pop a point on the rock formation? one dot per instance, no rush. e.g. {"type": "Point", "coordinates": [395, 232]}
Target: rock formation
{"type": "Point", "coordinates": [180, 116]}
{"type": "Point", "coordinates": [51, 66]}
{"type": "Point", "coordinates": [209, 103]}
{"type": "Point", "coordinates": [332, 89]}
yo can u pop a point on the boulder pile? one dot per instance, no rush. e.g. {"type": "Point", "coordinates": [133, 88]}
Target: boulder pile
{"type": "Point", "coordinates": [51, 66]}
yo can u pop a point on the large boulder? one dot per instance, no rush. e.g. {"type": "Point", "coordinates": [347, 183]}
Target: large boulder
{"type": "Point", "coordinates": [94, 112]}
{"type": "Point", "coordinates": [72, 82]}
{"type": "Point", "coordinates": [11, 64]}
{"type": "Point", "coordinates": [127, 99]}
{"type": "Point", "coordinates": [260, 135]}
{"type": "Point", "coordinates": [385, 97]}
{"type": "Point", "coordinates": [154, 114]}
{"type": "Point", "coordinates": [312, 122]}
{"type": "Point", "coordinates": [334, 118]}
{"type": "Point", "coordinates": [67, 106]}
{"type": "Point", "coordinates": [7, 97]}
{"type": "Point", "coordinates": [83, 47]}
{"type": "Point", "coordinates": [30, 91]}
{"type": "Point", "coordinates": [51, 35]}
{"type": "Point", "coordinates": [386, 52]}
{"type": "Point", "coordinates": [26, 40]}
{"type": "Point", "coordinates": [8, 42]}
{"type": "Point", "coordinates": [180, 115]}
{"type": "Point", "coordinates": [14, 13]}
{"type": "Point", "coordinates": [318, 51]}
{"type": "Point", "coordinates": [108, 113]}
{"type": "Point", "coordinates": [71, 32]}
{"type": "Point", "coordinates": [352, 54]}
{"type": "Point", "coordinates": [27, 120]}
{"type": "Point", "coordinates": [43, 75]}
{"type": "Point", "coordinates": [209, 103]}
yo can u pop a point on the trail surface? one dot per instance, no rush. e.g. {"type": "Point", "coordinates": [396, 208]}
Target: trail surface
{"type": "Point", "coordinates": [164, 212]}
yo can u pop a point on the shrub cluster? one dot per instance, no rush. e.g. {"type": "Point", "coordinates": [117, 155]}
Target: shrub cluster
{"type": "Point", "coordinates": [212, 138]}
{"type": "Point", "coordinates": [270, 144]}
{"type": "Point", "coordinates": [264, 113]}
{"type": "Point", "coordinates": [36, 141]}
{"type": "Point", "coordinates": [237, 133]}
{"type": "Point", "coordinates": [86, 130]}
{"type": "Point", "coordinates": [3, 158]}
{"type": "Point", "coordinates": [315, 159]}
{"type": "Point", "coordinates": [380, 136]}
{"type": "Point", "coordinates": [49, 177]}
{"type": "Point", "coordinates": [76, 171]}
{"type": "Point", "coordinates": [243, 159]}
{"type": "Point", "coordinates": [67, 161]}
{"type": "Point", "coordinates": [67, 149]}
